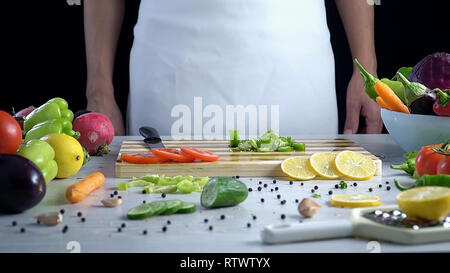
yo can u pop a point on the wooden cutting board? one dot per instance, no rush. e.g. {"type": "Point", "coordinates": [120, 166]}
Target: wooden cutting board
{"type": "Point", "coordinates": [231, 162]}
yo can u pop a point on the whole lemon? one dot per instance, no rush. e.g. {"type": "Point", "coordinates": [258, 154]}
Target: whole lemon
{"type": "Point", "coordinates": [68, 154]}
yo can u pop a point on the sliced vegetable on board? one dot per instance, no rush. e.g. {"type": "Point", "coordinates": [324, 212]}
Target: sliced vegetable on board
{"type": "Point", "coordinates": [79, 191]}
{"type": "Point", "coordinates": [173, 154]}
{"type": "Point", "coordinates": [143, 158]}
{"type": "Point", "coordinates": [200, 154]}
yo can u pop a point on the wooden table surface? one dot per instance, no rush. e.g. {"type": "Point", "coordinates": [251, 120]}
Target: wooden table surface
{"type": "Point", "coordinates": [189, 233]}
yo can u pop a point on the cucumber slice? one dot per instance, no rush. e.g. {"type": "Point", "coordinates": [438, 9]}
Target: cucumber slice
{"type": "Point", "coordinates": [173, 206]}
{"type": "Point", "coordinates": [141, 212]}
{"type": "Point", "coordinates": [159, 207]}
{"type": "Point", "coordinates": [223, 192]}
{"type": "Point", "coordinates": [187, 208]}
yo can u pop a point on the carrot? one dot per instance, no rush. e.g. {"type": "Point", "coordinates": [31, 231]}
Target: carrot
{"type": "Point", "coordinates": [390, 98]}
{"type": "Point", "coordinates": [80, 190]}
{"type": "Point", "coordinates": [382, 103]}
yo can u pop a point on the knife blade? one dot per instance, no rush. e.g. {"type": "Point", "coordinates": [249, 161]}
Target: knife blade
{"type": "Point", "coordinates": [151, 137]}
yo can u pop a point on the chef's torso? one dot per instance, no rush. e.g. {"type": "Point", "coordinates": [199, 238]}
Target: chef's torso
{"type": "Point", "coordinates": [199, 68]}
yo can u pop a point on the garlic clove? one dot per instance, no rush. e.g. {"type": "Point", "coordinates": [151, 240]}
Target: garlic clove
{"type": "Point", "coordinates": [308, 207]}
{"type": "Point", "coordinates": [112, 202]}
{"type": "Point", "coordinates": [50, 218]}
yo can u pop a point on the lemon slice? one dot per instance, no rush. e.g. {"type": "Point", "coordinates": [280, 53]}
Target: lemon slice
{"type": "Point", "coordinates": [354, 200]}
{"type": "Point", "coordinates": [430, 203]}
{"type": "Point", "coordinates": [323, 165]}
{"type": "Point", "coordinates": [298, 168]}
{"type": "Point", "coordinates": [354, 165]}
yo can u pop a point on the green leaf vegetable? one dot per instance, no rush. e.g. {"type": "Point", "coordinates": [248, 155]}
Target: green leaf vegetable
{"type": "Point", "coordinates": [269, 142]}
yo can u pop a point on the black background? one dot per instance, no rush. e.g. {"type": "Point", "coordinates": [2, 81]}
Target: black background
{"type": "Point", "coordinates": [44, 55]}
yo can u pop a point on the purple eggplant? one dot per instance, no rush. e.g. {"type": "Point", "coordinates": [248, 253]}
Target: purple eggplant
{"type": "Point", "coordinates": [424, 104]}
{"type": "Point", "coordinates": [22, 185]}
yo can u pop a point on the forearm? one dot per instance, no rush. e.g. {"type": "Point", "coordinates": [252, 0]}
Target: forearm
{"type": "Point", "coordinates": [102, 25]}
{"type": "Point", "coordinates": [358, 20]}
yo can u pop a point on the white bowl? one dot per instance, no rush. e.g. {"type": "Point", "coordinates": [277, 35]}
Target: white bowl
{"type": "Point", "coordinates": [413, 131]}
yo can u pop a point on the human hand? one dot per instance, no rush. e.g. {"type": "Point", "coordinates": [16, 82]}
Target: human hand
{"type": "Point", "coordinates": [359, 104]}
{"type": "Point", "coordinates": [100, 98]}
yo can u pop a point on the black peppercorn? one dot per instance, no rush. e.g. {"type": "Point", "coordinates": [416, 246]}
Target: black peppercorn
{"type": "Point", "coordinates": [379, 186]}
{"type": "Point", "coordinates": [206, 220]}
{"type": "Point", "coordinates": [312, 190]}
{"type": "Point", "coordinates": [355, 184]}
{"type": "Point", "coordinates": [164, 228]}
{"type": "Point", "coordinates": [112, 195]}
{"type": "Point", "coordinates": [168, 222]}
{"type": "Point", "coordinates": [276, 188]}
{"type": "Point", "coordinates": [259, 188]}
{"type": "Point", "coordinates": [65, 228]}
{"type": "Point", "coordinates": [116, 192]}
{"type": "Point", "coordinates": [79, 214]}
{"type": "Point", "coordinates": [283, 202]}
{"type": "Point", "coordinates": [14, 223]}
{"type": "Point", "coordinates": [260, 182]}
{"type": "Point", "coordinates": [250, 189]}
{"type": "Point", "coordinates": [370, 189]}
{"type": "Point", "coordinates": [62, 211]}
{"type": "Point", "coordinates": [387, 182]}
{"type": "Point", "coordinates": [249, 225]}
{"type": "Point", "coordinates": [278, 196]}
{"type": "Point", "coordinates": [163, 195]}
{"type": "Point", "coordinates": [237, 176]}
{"type": "Point", "coordinates": [271, 190]}
{"type": "Point", "coordinates": [316, 188]}
{"type": "Point", "coordinates": [283, 216]}
{"type": "Point", "coordinates": [254, 217]}
{"type": "Point", "coordinates": [301, 184]}
{"type": "Point", "coordinates": [330, 192]}
{"type": "Point", "coordinates": [290, 182]}
{"type": "Point", "coordinates": [83, 219]}
{"type": "Point", "coordinates": [144, 232]}
{"type": "Point", "coordinates": [123, 225]}
{"type": "Point", "coordinates": [119, 230]}
{"type": "Point", "coordinates": [143, 202]}
{"type": "Point", "coordinates": [222, 217]}
{"type": "Point", "coordinates": [22, 230]}
{"type": "Point", "coordinates": [265, 185]}
{"type": "Point", "coordinates": [274, 181]}
{"type": "Point", "coordinates": [144, 192]}
{"type": "Point", "coordinates": [119, 197]}
{"type": "Point", "coordinates": [210, 228]}
{"type": "Point", "coordinates": [262, 200]}
{"type": "Point", "coordinates": [296, 200]}
{"type": "Point", "coordinates": [336, 186]}
{"type": "Point", "coordinates": [388, 188]}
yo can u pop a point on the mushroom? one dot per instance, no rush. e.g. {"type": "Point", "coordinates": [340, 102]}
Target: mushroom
{"type": "Point", "coordinates": [308, 207]}
{"type": "Point", "coordinates": [112, 202]}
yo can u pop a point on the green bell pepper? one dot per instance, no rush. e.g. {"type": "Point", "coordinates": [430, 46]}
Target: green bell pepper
{"type": "Point", "coordinates": [52, 126]}
{"type": "Point", "coordinates": [56, 108]}
{"type": "Point", "coordinates": [41, 154]}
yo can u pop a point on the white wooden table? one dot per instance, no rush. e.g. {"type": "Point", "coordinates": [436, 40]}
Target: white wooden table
{"type": "Point", "coordinates": [189, 233]}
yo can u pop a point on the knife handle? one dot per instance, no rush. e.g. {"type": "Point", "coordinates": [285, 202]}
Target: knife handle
{"type": "Point", "coordinates": [295, 232]}
{"type": "Point", "coordinates": [150, 134]}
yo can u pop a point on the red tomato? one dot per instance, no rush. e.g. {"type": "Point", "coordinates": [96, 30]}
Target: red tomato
{"type": "Point", "coordinates": [173, 154]}
{"type": "Point", "coordinates": [143, 158]}
{"type": "Point", "coordinates": [443, 166]}
{"type": "Point", "coordinates": [428, 160]}
{"type": "Point", "coordinates": [10, 134]}
{"type": "Point", "coordinates": [200, 154]}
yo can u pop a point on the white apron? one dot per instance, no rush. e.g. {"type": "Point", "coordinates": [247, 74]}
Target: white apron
{"type": "Point", "coordinates": [199, 68]}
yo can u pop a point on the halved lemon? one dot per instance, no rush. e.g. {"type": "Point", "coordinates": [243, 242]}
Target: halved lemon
{"type": "Point", "coordinates": [354, 200]}
{"type": "Point", "coordinates": [323, 165]}
{"type": "Point", "coordinates": [430, 203]}
{"type": "Point", "coordinates": [298, 168]}
{"type": "Point", "coordinates": [355, 165]}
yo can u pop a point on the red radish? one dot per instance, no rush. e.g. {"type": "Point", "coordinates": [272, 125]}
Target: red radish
{"type": "Point", "coordinates": [23, 114]}
{"type": "Point", "coordinates": [96, 132]}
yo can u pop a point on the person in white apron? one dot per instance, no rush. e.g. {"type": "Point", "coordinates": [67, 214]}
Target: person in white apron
{"type": "Point", "coordinates": [199, 68]}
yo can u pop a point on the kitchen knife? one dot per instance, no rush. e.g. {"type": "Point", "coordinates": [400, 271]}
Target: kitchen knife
{"type": "Point", "coordinates": [151, 137]}
{"type": "Point", "coordinates": [356, 226]}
